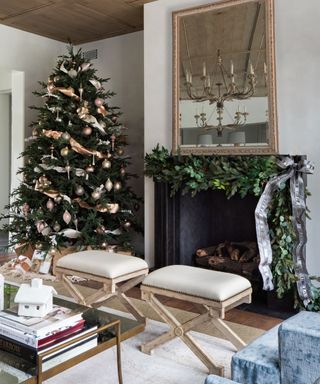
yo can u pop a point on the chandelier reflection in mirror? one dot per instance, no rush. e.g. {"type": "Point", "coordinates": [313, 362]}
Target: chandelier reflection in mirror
{"type": "Point", "coordinates": [227, 90]}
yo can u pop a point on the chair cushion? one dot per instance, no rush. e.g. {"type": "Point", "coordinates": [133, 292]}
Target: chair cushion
{"type": "Point", "coordinates": [258, 362]}
{"type": "Point", "coordinates": [102, 263]}
{"type": "Point", "coordinates": [194, 281]}
{"type": "Point", "coordinates": [299, 347]}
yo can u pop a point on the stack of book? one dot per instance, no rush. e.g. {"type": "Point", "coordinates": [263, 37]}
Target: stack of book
{"type": "Point", "coordinates": [25, 337]}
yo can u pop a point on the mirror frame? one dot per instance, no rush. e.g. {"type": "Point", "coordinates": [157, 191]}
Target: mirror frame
{"type": "Point", "coordinates": [272, 146]}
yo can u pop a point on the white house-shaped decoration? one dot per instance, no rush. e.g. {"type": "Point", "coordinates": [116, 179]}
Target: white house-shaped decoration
{"type": "Point", "coordinates": [35, 300]}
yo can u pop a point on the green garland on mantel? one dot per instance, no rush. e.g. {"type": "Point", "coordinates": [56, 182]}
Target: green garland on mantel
{"type": "Point", "coordinates": [241, 175]}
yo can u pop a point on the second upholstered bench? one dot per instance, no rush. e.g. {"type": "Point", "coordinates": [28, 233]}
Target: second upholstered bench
{"type": "Point", "coordinates": [217, 292]}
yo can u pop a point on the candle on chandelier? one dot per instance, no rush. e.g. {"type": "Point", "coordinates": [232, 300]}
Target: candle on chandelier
{"type": "Point", "coordinates": [204, 69]}
{"type": "Point", "coordinates": [231, 68]}
{"type": "Point", "coordinates": [251, 70]}
{"type": "Point", "coordinates": [265, 68]}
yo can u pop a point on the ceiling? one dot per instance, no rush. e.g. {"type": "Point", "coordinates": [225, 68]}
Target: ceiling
{"type": "Point", "coordinates": [78, 21]}
{"type": "Point", "coordinates": [239, 32]}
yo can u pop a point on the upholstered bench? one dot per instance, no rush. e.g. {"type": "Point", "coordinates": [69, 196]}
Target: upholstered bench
{"type": "Point", "coordinates": [108, 268]}
{"type": "Point", "coordinates": [217, 292]}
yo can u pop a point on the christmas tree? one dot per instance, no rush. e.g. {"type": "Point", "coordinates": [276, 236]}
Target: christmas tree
{"type": "Point", "coordinates": [74, 189]}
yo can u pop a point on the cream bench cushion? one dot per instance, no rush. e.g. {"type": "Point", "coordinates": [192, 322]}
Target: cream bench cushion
{"type": "Point", "coordinates": [204, 283]}
{"type": "Point", "coordinates": [102, 263]}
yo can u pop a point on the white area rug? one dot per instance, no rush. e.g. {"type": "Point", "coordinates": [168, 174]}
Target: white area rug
{"type": "Point", "coordinates": [173, 363]}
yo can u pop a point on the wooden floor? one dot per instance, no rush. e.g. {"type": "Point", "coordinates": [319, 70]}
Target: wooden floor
{"type": "Point", "coordinates": [234, 315]}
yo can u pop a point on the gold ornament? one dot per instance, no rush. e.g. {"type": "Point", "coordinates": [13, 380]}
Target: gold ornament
{"type": "Point", "coordinates": [56, 227]}
{"type": "Point", "coordinates": [52, 251]}
{"type": "Point", "coordinates": [87, 131]}
{"type": "Point", "coordinates": [108, 185]}
{"type": "Point", "coordinates": [83, 111]}
{"type": "Point", "coordinates": [58, 199]}
{"type": "Point", "coordinates": [90, 168]}
{"type": "Point", "coordinates": [117, 186]}
{"type": "Point", "coordinates": [44, 182]}
{"type": "Point", "coordinates": [68, 92]}
{"type": "Point", "coordinates": [66, 136]}
{"type": "Point", "coordinates": [104, 245]}
{"type": "Point", "coordinates": [113, 207]}
{"type": "Point", "coordinates": [64, 151]}
{"type": "Point", "coordinates": [79, 190]}
{"type": "Point", "coordinates": [120, 151]}
{"type": "Point", "coordinates": [96, 195]}
{"type": "Point", "coordinates": [50, 87]}
{"type": "Point", "coordinates": [106, 164]}
{"type": "Point", "coordinates": [101, 229]}
{"type": "Point", "coordinates": [38, 245]}
{"type": "Point", "coordinates": [50, 205]}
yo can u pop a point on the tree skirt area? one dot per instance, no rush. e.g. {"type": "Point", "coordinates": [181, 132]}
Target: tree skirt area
{"type": "Point", "coordinates": [172, 363]}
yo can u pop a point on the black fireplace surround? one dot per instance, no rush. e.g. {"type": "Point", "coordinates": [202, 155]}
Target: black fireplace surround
{"type": "Point", "coordinates": [184, 223]}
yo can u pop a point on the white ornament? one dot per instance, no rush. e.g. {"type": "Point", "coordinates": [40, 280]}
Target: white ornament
{"type": "Point", "coordinates": [66, 217]}
{"type": "Point", "coordinates": [109, 185]}
{"type": "Point", "coordinates": [73, 73]}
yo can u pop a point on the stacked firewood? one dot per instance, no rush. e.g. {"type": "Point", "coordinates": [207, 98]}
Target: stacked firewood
{"type": "Point", "coordinates": [236, 257]}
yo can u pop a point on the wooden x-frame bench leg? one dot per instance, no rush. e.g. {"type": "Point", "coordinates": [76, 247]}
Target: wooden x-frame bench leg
{"type": "Point", "coordinates": [109, 289]}
{"type": "Point", "coordinates": [181, 331]}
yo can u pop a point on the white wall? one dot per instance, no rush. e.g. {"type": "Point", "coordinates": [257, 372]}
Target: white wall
{"type": "Point", "coordinates": [121, 59]}
{"type": "Point", "coordinates": [297, 63]}
{"type": "Point", "coordinates": [32, 54]}
{"type": "Point", "coordinates": [4, 149]}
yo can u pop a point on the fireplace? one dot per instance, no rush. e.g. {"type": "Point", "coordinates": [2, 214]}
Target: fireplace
{"type": "Point", "coordinates": [183, 224]}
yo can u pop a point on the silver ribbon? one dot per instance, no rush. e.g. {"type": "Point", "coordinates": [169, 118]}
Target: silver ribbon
{"type": "Point", "coordinates": [293, 171]}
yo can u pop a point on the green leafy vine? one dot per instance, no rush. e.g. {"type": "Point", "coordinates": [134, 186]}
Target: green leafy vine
{"type": "Point", "coordinates": [241, 175]}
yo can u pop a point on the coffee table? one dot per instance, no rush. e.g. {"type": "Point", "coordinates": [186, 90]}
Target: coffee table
{"type": "Point", "coordinates": [112, 329]}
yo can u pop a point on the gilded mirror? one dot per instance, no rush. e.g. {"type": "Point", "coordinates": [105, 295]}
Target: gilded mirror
{"type": "Point", "coordinates": [224, 98]}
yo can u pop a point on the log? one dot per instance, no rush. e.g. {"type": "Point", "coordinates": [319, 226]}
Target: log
{"type": "Point", "coordinates": [206, 251]}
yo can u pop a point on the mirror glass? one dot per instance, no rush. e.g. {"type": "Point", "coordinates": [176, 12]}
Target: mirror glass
{"type": "Point", "coordinates": [224, 78]}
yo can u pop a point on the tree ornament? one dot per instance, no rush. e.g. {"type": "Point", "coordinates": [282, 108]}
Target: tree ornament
{"type": "Point", "coordinates": [117, 186]}
{"type": "Point", "coordinates": [87, 131]}
{"type": "Point", "coordinates": [38, 245]}
{"type": "Point", "coordinates": [56, 79]}
{"type": "Point", "coordinates": [83, 111]}
{"type": "Point", "coordinates": [85, 66]}
{"type": "Point", "coordinates": [96, 194]}
{"type": "Point", "coordinates": [114, 119]}
{"type": "Point", "coordinates": [106, 164]}
{"type": "Point", "coordinates": [96, 84]}
{"type": "Point", "coordinates": [66, 135]}
{"type": "Point", "coordinates": [52, 251]}
{"type": "Point", "coordinates": [81, 92]}
{"type": "Point", "coordinates": [109, 155]}
{"type": "Point", "coordinates": [120, 151]}
{"type": "Point", "coordinates": [40, 224]}
{"type": "Point", "coordinates": [90, 168]}
{"type": "Point", "coordinates": [50, 86]}
{"type": "Point", "coordinates": [79, 190]}
{"type": "Point", "coordinates": [109, 185]}
{"type": "Point", "coordinates": [68, 169]}
{"type": "Point", "coordinates": [57, 199]}
{"type": "Point", "coordinates": [44, 182]}
{"type": "Point", "coordinates": [101, 229]}
{"type": "Point", "coordinates": [56, 227]}
{"type": "Point", "coordinates": [52, 149]}
{"type": "Point", "coordinates": [35, 132]}
{"type": "Point", "coordinates": [58, 118]}
{"type": "Point", "coordinates": [122, 171]}
{"type": "Point", "coordinates": [98, 102]}
{"type": "Point", "coordinates": [66, 217]}
{"type": "Point", "coordinates": [113, 207]}
{"type": "Point", "coordinates": [102, 110]}
{"type": "Point", "coordinates": [104, 245]}
{"type": "Point", "coordinates": [72, 73]}
{"type": "Point", "coordinates": [113, 139]}
{"type": "Point", "coordinates": [127, 224]}
{"type": "Point", "coordinates": [25, 209]}
{"type": "Point", "coordinates": [50, 204]}
{"type": "Point", "coordinates": [69, 124]}
{"type": "Point", "coordinates": [64, 151]}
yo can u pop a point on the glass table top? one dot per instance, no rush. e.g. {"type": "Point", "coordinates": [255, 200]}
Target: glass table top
{"type": "Point", "coordinates": [16, 370]}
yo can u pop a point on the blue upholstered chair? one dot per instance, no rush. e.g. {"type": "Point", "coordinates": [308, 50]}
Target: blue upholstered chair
{"type": "Point", "coordinates": [287, 354]}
